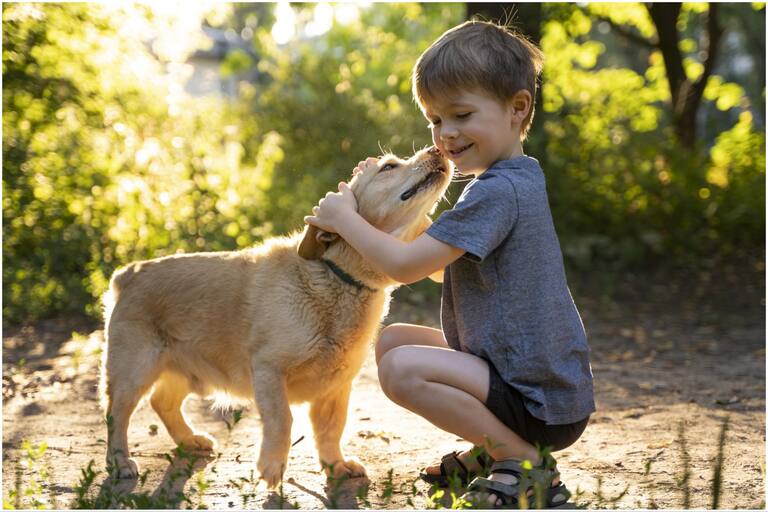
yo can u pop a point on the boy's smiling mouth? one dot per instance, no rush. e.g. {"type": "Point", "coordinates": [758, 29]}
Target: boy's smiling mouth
{"type": "Point", "coordinates": [458, 151]}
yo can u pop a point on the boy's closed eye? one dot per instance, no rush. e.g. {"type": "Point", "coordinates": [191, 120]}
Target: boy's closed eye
{"type": "Point", "coordinates": [460, 116]}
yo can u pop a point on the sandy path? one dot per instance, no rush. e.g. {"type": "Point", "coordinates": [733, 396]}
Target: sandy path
{"type": "Point", "coordinates": [654, 368]}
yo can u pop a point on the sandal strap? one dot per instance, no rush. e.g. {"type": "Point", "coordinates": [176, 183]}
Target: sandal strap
{"type": "Point", "coordinates": [482, 457]}
{"type": "Point", "coordinates": [509, 495]}
{"type": "Point", "coordinates": [509, 466]}
{"type": "Point", "coordinates": [539, 474]}
{"type": "Point", "coordinates": [451, 465]}
{"type": "Point", "coordinates": [494, 486]}
{"type": "Point", "coordinates": [557, 495]}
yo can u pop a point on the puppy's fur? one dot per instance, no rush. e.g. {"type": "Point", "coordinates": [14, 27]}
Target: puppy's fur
{"type": "Point", "coordinates": [273, 324]}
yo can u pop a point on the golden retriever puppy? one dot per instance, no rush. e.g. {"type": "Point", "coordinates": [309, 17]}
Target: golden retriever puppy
{"type": "Point", "coordinates": [287, 321]}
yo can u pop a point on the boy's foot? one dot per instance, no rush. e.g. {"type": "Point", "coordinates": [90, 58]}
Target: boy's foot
{"type": "Point", "coordinates": [502, 489]}
{"type": "Point", "coordinates": [464, 466]}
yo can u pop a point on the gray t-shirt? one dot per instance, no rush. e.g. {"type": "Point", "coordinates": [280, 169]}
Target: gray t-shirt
{"type": "Point", "coordinates": [506, 299]}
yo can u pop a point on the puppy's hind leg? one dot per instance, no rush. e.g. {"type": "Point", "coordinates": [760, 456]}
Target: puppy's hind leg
{"type": "Point", "coordinates": [131, 367]}
{"type": "Point", "coordinates": [167, 401]}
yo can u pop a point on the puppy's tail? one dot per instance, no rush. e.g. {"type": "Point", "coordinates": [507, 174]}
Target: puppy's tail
{"type": "Point", "coordinates": [120, 280]}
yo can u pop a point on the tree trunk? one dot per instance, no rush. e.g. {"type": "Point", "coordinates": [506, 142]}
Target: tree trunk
{"type": "Point", "coordinates": [686, 95]}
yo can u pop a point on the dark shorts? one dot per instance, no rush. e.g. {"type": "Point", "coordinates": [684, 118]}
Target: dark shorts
{"type": "Point", "coordinates": [507, 404]}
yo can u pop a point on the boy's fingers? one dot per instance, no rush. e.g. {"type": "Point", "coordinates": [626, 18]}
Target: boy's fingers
{"type": "Point", "coordinates": [310, 220]}
{"type": "Point", "coordinates": [314, 209]}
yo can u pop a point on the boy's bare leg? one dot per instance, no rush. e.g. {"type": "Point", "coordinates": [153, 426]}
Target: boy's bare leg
{"type": "Point", "coordinates": [400, 334]}
{"type": "Point", "coordinates": [449, 389]}
{"type": "Point", "coordinates": [397, 335]}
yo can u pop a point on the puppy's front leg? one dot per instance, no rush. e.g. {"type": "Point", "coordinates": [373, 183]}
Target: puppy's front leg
{"type": "Point", "coordinates": [329, 415]}
{"type": "Point", "coordinates": [271, 399]}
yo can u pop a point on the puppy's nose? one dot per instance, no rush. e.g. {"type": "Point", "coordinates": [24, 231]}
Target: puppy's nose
{"type": "Point", "coordinates": [433, 151]}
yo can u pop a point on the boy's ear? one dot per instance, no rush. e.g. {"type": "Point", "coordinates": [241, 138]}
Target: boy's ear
{"type": "Point", "coordinates": [315, 242]}
{"type": "Point", "coordinates": [522, 103]}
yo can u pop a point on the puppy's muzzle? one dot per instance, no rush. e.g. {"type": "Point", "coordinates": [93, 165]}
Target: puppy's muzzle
{"type": "Point", "coordinates": [435, 164]}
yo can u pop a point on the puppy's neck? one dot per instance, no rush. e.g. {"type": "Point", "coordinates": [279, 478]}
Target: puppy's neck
{"type": "Point", "coordinates": [341, 253]}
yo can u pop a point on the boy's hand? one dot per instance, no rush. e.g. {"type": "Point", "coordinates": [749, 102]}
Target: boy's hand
{"type": "Point", "coordinates": [332, 210]}
{"type": "Point", "coordinates": [364, 164]}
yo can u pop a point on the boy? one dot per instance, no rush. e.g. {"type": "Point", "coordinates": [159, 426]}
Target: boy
{"type": "Point", "coordinates": [510, 368]}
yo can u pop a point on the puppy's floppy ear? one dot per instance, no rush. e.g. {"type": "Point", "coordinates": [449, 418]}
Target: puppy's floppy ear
{"type": "Point", "coordinates": [315, 242]}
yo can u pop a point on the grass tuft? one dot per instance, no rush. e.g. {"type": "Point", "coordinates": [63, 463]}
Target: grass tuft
{"type": "Point", "coordinates": [717, 474]}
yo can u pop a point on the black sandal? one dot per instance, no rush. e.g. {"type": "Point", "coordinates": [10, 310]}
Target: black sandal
{"type": "Point", "coordinates": [451, 467]}
{"type": "Point", "coordinates": [508, 495]}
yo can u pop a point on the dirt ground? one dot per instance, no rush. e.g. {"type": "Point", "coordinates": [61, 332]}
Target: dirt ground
{"type": "Point", "coordinates": [663, 355]}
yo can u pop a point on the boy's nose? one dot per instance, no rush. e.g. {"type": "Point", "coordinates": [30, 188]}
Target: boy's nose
{"type": "Point", "coordinates": [448, 132]}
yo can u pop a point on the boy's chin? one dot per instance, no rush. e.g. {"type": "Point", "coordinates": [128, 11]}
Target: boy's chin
{"type": "Point", "coordinates": [466, 170]}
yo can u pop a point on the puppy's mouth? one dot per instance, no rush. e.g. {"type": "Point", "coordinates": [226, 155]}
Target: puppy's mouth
{"type": "Point", "coordinates": [430, 179]}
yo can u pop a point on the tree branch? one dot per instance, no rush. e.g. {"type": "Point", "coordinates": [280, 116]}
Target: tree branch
{"type": "Point", "coordinates": [715, 33]}
{"type": "Point", "coordinates": [627, 34]}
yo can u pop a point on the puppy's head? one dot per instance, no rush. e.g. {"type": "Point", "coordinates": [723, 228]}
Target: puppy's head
{"type": "Point", "coordinates": [395, 196]}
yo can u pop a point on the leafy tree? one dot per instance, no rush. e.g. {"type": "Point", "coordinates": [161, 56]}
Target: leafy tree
{"type": "Point", "coordinates": [623, 189]}
{"type": "Point", "coordinates": [334, 99]}
{"type": "Point", "coordinates": [104, 162]}
{"type": "Point", "coordinates": [101, 164]}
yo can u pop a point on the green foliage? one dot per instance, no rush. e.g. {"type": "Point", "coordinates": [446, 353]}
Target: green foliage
{"type": "Point", "coordinates": [31, 492]}
{"type": "Point", "coordinates": [623, 191]}
{"type": "Point", "coordinates": [338, 98]}
{"type": "Point", "coordinates": [105, 163]}
{"type": "Point", "coordinates": [109, 494]}
{"type": "Point", "coordinates": [101, 168]}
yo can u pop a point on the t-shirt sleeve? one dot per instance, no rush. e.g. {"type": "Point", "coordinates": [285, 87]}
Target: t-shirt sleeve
{"type": "Point", "coordinates": [482, 218]}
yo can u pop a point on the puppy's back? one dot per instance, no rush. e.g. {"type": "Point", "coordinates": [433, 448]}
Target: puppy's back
{"type": "Point", "coordinates": [202, 286]}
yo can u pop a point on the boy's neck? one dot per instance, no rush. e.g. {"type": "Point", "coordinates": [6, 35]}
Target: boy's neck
{"type": "Point", "coordinates": [517, 150]}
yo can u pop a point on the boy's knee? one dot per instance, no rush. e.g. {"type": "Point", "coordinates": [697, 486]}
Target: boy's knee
{"type": "Point", "coordinates": [395, 375]}
{"type": "Point", "coordinates": [388, 339]}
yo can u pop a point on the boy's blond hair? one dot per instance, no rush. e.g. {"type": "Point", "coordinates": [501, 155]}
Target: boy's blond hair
{"type": "Point", "coordinates": [478, 54]}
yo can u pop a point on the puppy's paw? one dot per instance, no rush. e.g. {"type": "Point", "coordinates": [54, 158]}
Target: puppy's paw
{"type": "Point", "coordinates": [125, 468]}
{"type": "Point", "coordinates": [198, 442]}
{"type": "Point", "coordinates": [271, 471]}
{"type": "Point", "coordinates": [349, 468]}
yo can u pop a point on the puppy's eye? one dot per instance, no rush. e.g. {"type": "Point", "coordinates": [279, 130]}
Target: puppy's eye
{"type": "Point", "coordinates": [387, 167]}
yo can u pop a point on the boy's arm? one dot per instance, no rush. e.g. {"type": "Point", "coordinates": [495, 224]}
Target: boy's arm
{"type": "Point", "coordinates": [406, 262]}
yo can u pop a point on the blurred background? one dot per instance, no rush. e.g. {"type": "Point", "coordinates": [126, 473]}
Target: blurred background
{"type": "Point", "coordinates": [133, 131]}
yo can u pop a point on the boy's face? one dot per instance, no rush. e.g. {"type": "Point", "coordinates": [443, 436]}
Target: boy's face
{"type": "Point", "coordinates": [474, 130]}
